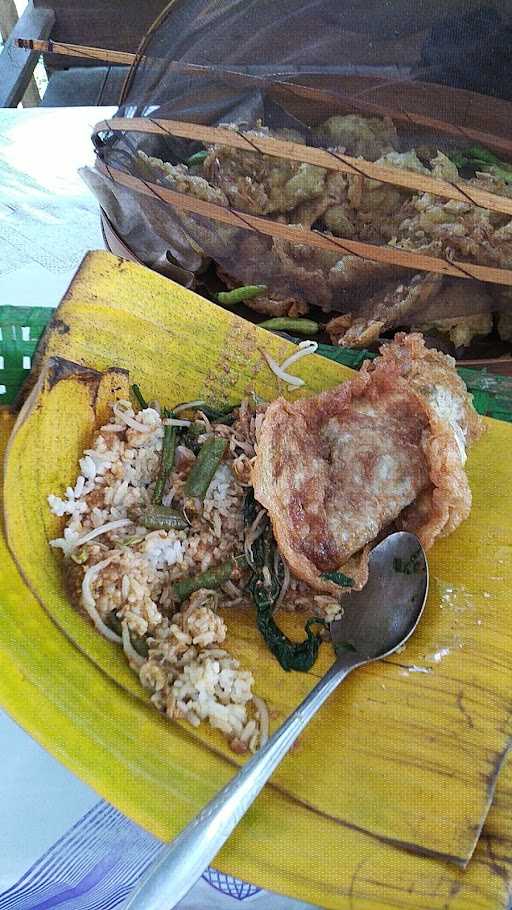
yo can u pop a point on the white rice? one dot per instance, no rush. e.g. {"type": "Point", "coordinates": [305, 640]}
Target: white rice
{"type": "Point", "coordinates": [127, 572]}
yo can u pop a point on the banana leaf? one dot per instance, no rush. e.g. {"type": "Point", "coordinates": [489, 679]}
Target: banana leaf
{"type": "Point", "coordinates": [410, 758]}
{"type": "Point", "coordinates": [160, 777]}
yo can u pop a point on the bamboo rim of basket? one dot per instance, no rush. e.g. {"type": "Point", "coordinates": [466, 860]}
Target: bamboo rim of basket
{"type": "Point", "coordinates": [460, 190]}
{"type": "Point", "coordinates": [292, 88]}
{"type": "Point", "coordinates": [389, 255]}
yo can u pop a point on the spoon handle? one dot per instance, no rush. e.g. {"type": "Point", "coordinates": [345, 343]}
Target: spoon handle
{"type": "Point", "coordinates": [181, 863]}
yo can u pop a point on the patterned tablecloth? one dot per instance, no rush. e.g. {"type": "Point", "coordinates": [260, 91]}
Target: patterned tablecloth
{"type": "Point", "coordinates": [60, 845]}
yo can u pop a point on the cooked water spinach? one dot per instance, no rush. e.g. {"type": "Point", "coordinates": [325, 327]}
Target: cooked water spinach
{"type": "Point", "coordinates": [265, 585]}
{"type": "Point", "coordinates": [338, 578]}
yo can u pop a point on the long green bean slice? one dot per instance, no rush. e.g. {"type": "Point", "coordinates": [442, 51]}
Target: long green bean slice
{"type": "Point", "coordinates": [238, 295]}
{"type": "Point", "coordinates": [167, 459]}
{"type": "Point", "coordinates": [162, 518]}
{"type": "Point", "coordinates": [220, 415]}
{"type": "Point", "coordinates": [204, 467]}
{"type": "Point", "coordinates": [293, 326]}
{"type": "Point", "coordinates": [212, 578]}
{"type": "Point", "coordinates": [139, 396]}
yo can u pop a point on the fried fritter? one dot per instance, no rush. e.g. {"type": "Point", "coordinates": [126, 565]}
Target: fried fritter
{"type": "Point", "coordinates": [433, 376]}
{"type": "Point", "coordinates": [336, 470]}
{"type": "Point", "coordinates": [383, 311]}
{"type": "Point", "coordinates": [369, 137]}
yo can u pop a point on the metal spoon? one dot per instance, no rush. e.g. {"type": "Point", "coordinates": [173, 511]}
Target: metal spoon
{"type": "Point", "coordinates": [375, 622]}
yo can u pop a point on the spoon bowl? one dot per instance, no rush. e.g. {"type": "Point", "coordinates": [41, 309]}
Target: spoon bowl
{"type": "Point", "coordinates": [380, 618]}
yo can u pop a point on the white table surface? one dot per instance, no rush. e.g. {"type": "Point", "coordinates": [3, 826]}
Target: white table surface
{"type": "Point", "coordinates": [60, 844]}
{"type": "Point", "coordinates": [48, 217]}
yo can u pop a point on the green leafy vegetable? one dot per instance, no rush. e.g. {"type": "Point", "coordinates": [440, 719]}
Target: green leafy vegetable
{"type": "Point", "coordinates": [250, 510]}
{"type": "Point", "coordinates": [220, 415]}
{"type": "Point", "coordinates": [291, 655]}
{"type": "Point", "coordinates": [338, 578]}
{"type": "Point", "coordinates": [481, 159]}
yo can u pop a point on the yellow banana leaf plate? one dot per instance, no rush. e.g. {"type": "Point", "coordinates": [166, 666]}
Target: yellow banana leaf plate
{"type": "Point", "coordinates": [399, 757]}
{"type": "Point", "coordinates": [135, 759]}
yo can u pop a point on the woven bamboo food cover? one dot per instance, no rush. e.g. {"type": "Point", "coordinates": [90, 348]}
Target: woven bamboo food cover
{"type": "Point", "coordinates": [350, 178]}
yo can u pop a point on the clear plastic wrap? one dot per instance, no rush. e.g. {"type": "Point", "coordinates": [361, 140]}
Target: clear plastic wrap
{"type": "Point", "coordinates": [399, 84]}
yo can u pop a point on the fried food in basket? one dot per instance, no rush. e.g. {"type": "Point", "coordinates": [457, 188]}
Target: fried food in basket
{"type": "Point", "coordinates": [337, 470]}
{"type": "Point", "coordinates": [373, 297]}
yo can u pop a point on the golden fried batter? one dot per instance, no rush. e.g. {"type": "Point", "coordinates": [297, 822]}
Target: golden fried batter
{"type": "Point", "coordinates": [446, 503]}
{"type": "Point", "coordinates": [345, 206]}
{"type": "Point", "coordinates": [337, 469]}
{"type": "Point", "coordinates": [433, 376]}
{"type": "Point", "coordinates": [334, 470]}
{"type": "Point", "coordinates": [262, 184]}
{"type": "Point", "coordinates": [386, 308]}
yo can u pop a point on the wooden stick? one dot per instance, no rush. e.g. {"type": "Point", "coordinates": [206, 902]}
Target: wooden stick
{"type": "Point", "coordinates": [76, 50]}
{"type": "Point", "coordinates": [387, 254]}
{"type": "Point", "coordinates": [459, 190]}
